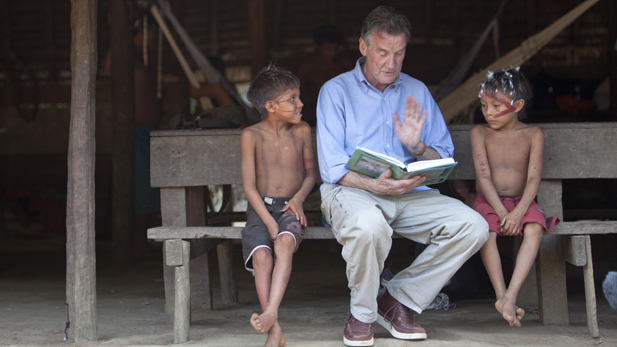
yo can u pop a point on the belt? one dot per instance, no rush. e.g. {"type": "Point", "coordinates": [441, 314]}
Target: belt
{"type": "Point", "coordinates": [275, 201]}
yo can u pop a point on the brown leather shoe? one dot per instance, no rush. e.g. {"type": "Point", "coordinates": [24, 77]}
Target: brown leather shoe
{"type": "Point", "coordinates": [357, 333]}
{"type": "Point", "coordinates": [398, 319]}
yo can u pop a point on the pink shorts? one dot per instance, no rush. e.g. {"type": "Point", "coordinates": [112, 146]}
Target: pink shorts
{"type": "Point", "coordinates": [534, 213]}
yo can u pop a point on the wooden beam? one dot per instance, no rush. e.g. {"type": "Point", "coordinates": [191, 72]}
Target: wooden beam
{"type": "Point", "coordinates": [123, 133]}
{"type": "Point", "coordinates": [80, 250]}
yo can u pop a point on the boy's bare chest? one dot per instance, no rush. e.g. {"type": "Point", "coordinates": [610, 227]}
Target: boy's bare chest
{"type": "Point", "coordinates": [283, 152]}
{"type": "Point", "coordinates": [508, 150]}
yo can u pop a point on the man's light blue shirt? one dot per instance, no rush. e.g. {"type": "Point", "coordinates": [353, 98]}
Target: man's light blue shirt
{"type": "Point", "coordinates": [351, 113]}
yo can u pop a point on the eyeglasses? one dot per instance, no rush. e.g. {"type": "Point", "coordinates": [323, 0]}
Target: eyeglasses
{"type": "Point", "coordinates": [291, 100]}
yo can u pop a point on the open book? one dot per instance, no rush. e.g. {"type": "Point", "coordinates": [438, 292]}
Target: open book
{"type": "Point", "coordinates": [373, 164]}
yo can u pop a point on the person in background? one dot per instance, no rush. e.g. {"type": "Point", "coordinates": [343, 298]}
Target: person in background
{"type": "Point", "coordinates": [329, 61]}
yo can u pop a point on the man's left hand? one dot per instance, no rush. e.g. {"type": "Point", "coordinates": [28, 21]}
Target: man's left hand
{"type": "Point", "coordinates": [410, 130]}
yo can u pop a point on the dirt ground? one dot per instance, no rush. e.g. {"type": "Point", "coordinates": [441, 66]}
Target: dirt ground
{"type": "Point", "coordinates": [130, 306]}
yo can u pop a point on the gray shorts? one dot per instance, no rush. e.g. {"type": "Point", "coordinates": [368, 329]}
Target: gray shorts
{"type": "Point", "coordinates": [255, 234]}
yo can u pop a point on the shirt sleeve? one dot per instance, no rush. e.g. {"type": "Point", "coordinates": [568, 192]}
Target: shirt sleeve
{"type": "Point", "coordinates": [330, 135]}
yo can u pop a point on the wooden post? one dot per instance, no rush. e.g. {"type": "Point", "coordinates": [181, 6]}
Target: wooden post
{"type": "Point", "coordinates": [80, 250]}
{"type": "Point", "coordinates": [123, 143]}
{"type": "Point", "coordinates": [257, 35]}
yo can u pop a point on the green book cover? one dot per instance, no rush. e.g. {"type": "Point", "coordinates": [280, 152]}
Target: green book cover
{"type": "Point", "coordinates": [373, 164]}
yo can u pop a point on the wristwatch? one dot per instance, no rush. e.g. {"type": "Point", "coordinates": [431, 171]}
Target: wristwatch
{"type": "Point", "coordinates": [422, 152]}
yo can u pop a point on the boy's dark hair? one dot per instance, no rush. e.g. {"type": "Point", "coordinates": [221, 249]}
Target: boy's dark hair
{"type": "Point", "coordinates": [327, 33]}
{"type": "Point", "coordinates": [509, 81]}
{"type": "Point", "coordinates": [270, 82]}
{"type": "Point", "coordinates": [388, 19]}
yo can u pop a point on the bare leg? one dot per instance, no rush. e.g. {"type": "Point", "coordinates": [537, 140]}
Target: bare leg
{"type": "Point", "coordinates": [263, 263]}
{"type": "Point", "coordinates": [492, 263]}
{"type": "Point", "coordinates": [526, 256]}
{"type": "Point", "coordinates": [283, 247]}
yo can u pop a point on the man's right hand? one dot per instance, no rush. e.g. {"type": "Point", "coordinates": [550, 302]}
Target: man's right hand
{"type": "Point", "coordinates": [382, 185]}
{"type": "Point", "coordinates": [386, 185]}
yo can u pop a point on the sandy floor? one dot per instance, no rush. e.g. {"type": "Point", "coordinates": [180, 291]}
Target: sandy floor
{"type": "Point", "coordinates": [130, 306]}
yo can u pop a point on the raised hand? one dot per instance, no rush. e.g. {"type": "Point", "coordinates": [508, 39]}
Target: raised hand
{"type": "Point", "coordinates": [410, 130]}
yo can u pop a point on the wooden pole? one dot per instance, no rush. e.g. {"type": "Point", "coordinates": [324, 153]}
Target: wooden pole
{"type": "Point", "coordinates": [123, 133]}
{"type": "Point", "coordinates": [80, 250]}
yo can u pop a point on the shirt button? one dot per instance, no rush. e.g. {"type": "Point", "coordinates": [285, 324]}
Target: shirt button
{"type": "Point", "coordinates": [388, 122]}
{"type": "Point", "coordinates": [388, 146]}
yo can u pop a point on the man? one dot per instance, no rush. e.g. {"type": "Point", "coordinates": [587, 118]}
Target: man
{"type": "Point", "coordinates": [361, 108]}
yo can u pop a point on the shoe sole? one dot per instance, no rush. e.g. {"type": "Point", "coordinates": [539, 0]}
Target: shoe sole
{"type": "Point", "coordinates": [358, 343]}
{"type": "Point", "coordinates": [399, 335]}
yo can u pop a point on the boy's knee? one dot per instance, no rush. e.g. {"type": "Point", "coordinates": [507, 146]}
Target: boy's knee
{"type": "Point", "coordinates": [261, 254]}
{"type": "Point", "coordinates": [285, 241]}
{"type": "Point", "coordinates": [533, 229]}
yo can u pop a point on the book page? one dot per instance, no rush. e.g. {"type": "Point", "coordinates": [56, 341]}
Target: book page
{"type": "Point", "coordinates": [371, 165]}
{"type": "Point", "coordinates": [385, 157]}
{"type": "Point", "coordinates": [425, 164]}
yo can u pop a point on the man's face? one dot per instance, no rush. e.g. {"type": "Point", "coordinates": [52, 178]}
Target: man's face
{"type": "Point", "coordinates": [384, 58]}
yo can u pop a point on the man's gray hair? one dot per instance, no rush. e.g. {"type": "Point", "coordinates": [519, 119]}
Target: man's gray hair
{"type": "Point", "coordinates": [388, 19]}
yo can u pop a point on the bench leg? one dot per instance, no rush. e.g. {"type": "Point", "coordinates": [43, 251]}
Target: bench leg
{"type": "Point", "coordinates": [170, 296]}
{"type": "Point", "coordinates": [577, 251]}
{"type": "Point", "coordinates": [590, 292]}
{"type": "Point", "coordinates": [182, 310]}
{"type": "Point", "coordinates": [178, 256]}
{"type": "Point", "coordinates": [229, 288]}
{"type": "Point", "coordinates": [551, 277]}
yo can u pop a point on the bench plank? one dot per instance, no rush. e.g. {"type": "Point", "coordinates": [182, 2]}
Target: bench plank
{"type": "Point", "coordinates": [182, 158]}
{"type": "Point", "coordinates": [324, 233]}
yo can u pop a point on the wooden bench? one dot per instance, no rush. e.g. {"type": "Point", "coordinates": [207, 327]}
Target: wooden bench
{"type": "Point", "coordinates": [182, 162]}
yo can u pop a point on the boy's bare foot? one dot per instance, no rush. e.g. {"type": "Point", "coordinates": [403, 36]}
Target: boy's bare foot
{"type": "Point", "coordinates": [510, 312]}
{"type": "Point", "coordinates": [263, 322]}
{"type": "Point", "coordinates": [275, 337]}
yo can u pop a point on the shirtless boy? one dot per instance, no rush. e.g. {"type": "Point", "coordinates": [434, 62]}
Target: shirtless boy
{"type": "Point", "coordinates": [508, 157]}
{"type": "Point", "coordinates": [278, 172]}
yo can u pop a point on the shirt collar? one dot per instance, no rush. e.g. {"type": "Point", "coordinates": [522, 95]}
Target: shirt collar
{"type": "Point", "coordinates": [365, 84]}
